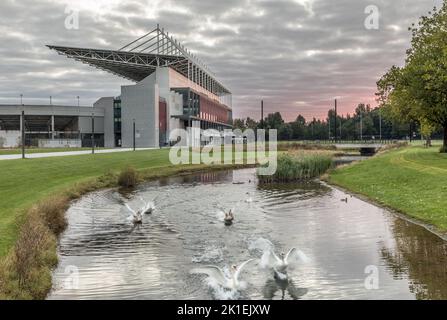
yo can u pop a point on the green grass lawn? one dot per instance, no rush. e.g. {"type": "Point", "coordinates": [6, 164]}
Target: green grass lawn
{"type": "Point", "coordinates": [412, 180]}
{"type": "Point", "coordinates": [40, 150]}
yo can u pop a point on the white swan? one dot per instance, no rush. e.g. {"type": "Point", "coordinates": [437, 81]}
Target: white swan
{"type": "Point", "coordinates": [148, 208]}
{"type": "Point", "coordinates": [229, 217]}
{"type": "Point", "coordinates": [137, 217]}
{"type": "Point", "coordinates": [249, 199]}
{"type": "Point", "coordinates": [231, 282]}
{"type": "Point", "coordinates": [283, 262]}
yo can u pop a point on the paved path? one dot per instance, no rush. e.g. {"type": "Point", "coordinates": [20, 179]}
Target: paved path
{"type": "Point", "coordinates": [67, 153]}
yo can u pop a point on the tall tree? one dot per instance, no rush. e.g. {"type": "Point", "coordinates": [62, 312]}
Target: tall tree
{"type": "Point", "coordinates": [419, 89]}
{"type": "Point", "coordinates": [273, 121]}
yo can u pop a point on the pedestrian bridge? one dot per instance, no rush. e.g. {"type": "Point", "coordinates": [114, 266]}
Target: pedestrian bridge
{"type": "Point", "coordinates": [364, 148]}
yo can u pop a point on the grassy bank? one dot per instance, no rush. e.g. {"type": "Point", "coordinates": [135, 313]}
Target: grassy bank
{"type": "Point", "coordinates": [35, 195]}
{"type": "Point", "coordinates": [295, 166]}
{"type": "Point", "coordinates": [411, 180]}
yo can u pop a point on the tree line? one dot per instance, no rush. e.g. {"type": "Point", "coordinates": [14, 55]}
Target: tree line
{"type": "Point", "coordinates": [366, 123]}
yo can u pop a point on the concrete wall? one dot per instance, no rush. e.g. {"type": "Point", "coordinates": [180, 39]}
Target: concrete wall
{"type": "Point", "coordinates": [85, 125]}
{"type": "Point", "coordinates": [60, 143]}
{"type": "Point", "coordinates": [140, 102]}
{"type": "Point", "coordinates": [109, 120]}
{"type": "Point", "coordinates": [175, 107]}
{"type": "Point", "coordinates": [10, 139]}
{"type": "Point", "coordinates": [173, 99]}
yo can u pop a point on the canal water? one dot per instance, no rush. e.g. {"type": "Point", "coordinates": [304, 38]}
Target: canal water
{"type": "Point", "coordinates": [353, 250]}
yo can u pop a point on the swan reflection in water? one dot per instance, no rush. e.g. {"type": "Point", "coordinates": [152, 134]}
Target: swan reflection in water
{"type": "Point", "coordinates": [272, 286]}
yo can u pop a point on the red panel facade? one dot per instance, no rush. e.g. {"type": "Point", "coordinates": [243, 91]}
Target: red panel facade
{"type": "Point", "coordinates": [162, 115]}
{"type": "Point", "coordinates": [213, 111]}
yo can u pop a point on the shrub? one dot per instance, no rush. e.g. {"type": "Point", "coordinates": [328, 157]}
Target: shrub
{"type": "Point", "coordinates": [31, 251]}
{"type": "Point", "coordinates": [3, 275]}
{"type": "Point", "coordinates": [128, 178]}
{"type": "Point", "coordinates": [52, 210]}
{"type": "Point", "coordinates": [300, 167]}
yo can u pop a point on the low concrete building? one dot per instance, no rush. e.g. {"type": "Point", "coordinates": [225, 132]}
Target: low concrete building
{"type": "Point", "coordinates": [54, 126]}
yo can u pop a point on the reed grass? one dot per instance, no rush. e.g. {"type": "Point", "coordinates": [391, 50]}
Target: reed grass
{"type": "Point", "coordinates": [297, 145]}
{"type": "Point", "coordinates": [297, 167]}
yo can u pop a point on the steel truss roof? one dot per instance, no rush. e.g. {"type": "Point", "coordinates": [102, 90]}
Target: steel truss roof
{"type": "Point", "coordinates": [140, 58]}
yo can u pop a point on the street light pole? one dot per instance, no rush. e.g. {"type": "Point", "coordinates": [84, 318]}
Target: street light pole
{"type": "Point", "coordinates": [21, 99]}
{"type": "Point", "coordinates": [335, 124]}
{"type": "Point", "coordinates": [78, 101]}
{"type": "Point", "coordinates": [93, 133]}
{"type": "Point", "coordinates": [134, 133]}
{"type": "Point", "coordinates": [262, 114]}
{"type": "Point", "coordinates": [23, 134]}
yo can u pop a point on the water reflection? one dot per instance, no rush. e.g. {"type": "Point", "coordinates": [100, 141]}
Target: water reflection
{"type": "Point", "coordinates": [117, 260]}
{"type": "Point", "coordinates": [272, 286]}
{"type": "Point", "coordinates": [420, 255]}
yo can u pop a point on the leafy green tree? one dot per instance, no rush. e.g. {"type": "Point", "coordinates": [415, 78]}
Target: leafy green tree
{"type": "Point", "coordinates": [427, 130]}
{"type": "Point", "coordinates": [238, 124]}
{"type": "Point", "coordinates": [285, 132]}
{"type": "Point", "coordinates": [298, 128]}
{"type": "Point", "coordinates": [250, 123]}
{"type": "Point", "coordinates": [418, 91]}
{"type": "Point", "coordinates": [273, 121]}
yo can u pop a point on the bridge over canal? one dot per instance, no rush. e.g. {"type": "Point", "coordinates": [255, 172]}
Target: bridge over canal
{"type": "Point", "coordinates": [364, 148]}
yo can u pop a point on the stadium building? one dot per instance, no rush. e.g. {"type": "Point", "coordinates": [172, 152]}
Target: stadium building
{"type": "Point", "coordinates": [173, 90]}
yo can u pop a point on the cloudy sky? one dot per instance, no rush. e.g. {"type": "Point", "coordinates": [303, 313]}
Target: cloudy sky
{"type": "Point", "coordinates": [297, 55]}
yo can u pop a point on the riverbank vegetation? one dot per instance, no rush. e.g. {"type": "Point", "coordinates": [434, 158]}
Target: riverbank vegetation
{"type": "Point", "coordinates": [409, 180]}
{"type": "Point", "coordinates": [302, 145]}
{"type": "Point", "coordinates": [294, 166]}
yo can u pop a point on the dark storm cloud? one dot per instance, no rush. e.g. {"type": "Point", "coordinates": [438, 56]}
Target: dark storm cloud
{"type": "Point", "coordinates": [296, 55]}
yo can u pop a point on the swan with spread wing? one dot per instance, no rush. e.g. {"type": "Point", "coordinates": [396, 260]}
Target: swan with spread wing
{"type": "Point", "coordinates": [229, 217]}
{"type": "Point", "coordinates": [226, 281]}
{"type": "Point", "coordinates": [281, 263]}
{"type": "Point", "coordinates": [148, 207]}
{"type": "Point", "coordinates": [137, 217]}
